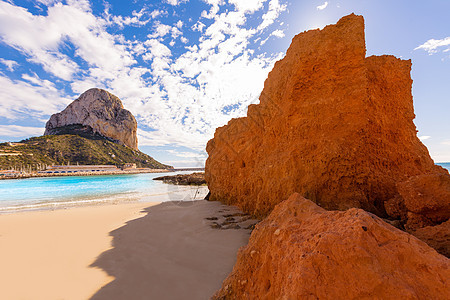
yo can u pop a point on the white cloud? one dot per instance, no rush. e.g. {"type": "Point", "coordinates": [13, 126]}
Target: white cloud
{"type": "Point", "coordinates": [35, 80]}
{"type": "Point", "coordinates": [137, 18]}
{"type": "Point", "coordinates": [186, 163]}
{"type": "Point", "coordinates": [10, 64]}
{"type": "Point", "coordinates": [275, 9]}
{"type": "Point", "coordinates": [424, 137]}
{"type": "Point", "coordinates": [264, 41]}
{"type": "Point", "coordinates": [156, 49]}
{"type": "Point", "coordinates": [48, 2]}
{"type": "Point", "coordinates": [38, 98]}
{"type": "Point", "coordinates": [162, 30]}
{"type": "Point", "coordinates": [175, 2]}
{"type": "Point", "coordinates": [156, 13]}
{"type": "Point", "coordinates": [198, 26]}
{"type": "Point", "coordinates": [215, 7]}
{"type": "Point", "coordinates": [201, 155]}
{"type": "Point", "coordinates": [175, 32]}
{"type": "Point", "coordinates": [433, 46]}
{"type": "Point", "coordinates": [40, 38]}
{"type": "Point", "coordinates": [21, 131]}
{"type": "Point", "coordinates": [323, 6]}
{"type": "Point", "coordinates": [278, 33]}
{"type": "Point", "coordinates": [247, 6]}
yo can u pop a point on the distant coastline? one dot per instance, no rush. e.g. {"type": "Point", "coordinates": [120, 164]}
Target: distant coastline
{"type": "Point", "coordinates": [119, 172]}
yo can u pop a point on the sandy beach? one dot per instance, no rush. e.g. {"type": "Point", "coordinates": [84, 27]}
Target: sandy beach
{"type": "Point", "coordinates": [166, 251]}
{"type": "Point", "coordinates": [46, 254]}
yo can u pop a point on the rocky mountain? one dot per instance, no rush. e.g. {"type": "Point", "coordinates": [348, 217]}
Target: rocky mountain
{"type": "Point", "coordinates": [94, 129]}
{"type": "Point", "coordinates": [96, 111]}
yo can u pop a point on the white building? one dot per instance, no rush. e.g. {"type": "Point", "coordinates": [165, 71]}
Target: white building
{"type": "Point", "coordinates": [80, 169]}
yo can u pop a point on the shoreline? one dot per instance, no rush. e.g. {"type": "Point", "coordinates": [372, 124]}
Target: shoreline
{"type": "Point", "coordinates": [33, 195]}
{"type": "Point", "coordinates": [39, 175]}
{"type": "Point", "coordinates": [128, 172]}
{"type": "Point", "coordinates": [66, 205]}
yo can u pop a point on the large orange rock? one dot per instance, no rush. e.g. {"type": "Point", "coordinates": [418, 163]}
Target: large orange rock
{"type": "Point", "coordinates": [301, 251]}
{"type": "Point", "coordinates": [437, 237]}
{"type": "Point", "coordinates": [332, 125]}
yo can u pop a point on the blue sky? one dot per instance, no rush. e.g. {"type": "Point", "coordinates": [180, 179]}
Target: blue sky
{"type": "Point", "coordinates": [185, 67]}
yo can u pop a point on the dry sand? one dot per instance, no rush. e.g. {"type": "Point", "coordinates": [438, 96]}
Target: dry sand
{"type": "Point", "coordinates": [170, 253]}
{"type": "Point", "coordinates": [47, 254]}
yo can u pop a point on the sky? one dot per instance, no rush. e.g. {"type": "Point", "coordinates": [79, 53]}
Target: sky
{"type": "Point", "coordinates": [186, 67]}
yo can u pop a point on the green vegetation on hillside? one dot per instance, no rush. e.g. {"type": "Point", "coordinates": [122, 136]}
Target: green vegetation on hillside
{"type": "Point", "coordinates": [71, 149]}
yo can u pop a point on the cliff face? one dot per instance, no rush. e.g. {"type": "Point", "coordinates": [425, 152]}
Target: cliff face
{"type": "Point", "coordinates": [301, 251]}
{"type": "Point", "coordinates": [332, 125]}
{"type": "Point", "coordinates": [99, 112]}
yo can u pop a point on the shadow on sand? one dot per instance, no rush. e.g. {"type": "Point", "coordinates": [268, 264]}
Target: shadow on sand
{"type": "Point", "coordinates": [170, 253]}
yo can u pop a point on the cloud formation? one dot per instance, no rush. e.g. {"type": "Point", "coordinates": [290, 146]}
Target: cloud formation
{"type": "Point", "coordinates": [23, 131]}
{"type": "Point", "coordinates": [433, 46]}
{"type": "Point", "coordinates": [323, 6]}
{"type": "Point", "coordinates": [10, 64]}
{"type": "Point", "coordinates": [181, 80]}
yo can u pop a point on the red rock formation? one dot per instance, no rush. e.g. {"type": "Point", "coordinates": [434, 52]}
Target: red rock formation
{"type": "Point", "coordinates": [437, 237]}
{"type": "Point", "coordinates": [301, 251]}
{"type": "Point", "coordinates": [332, 125]}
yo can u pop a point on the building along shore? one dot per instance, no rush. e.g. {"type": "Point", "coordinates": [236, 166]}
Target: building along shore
{"type": "Point", "coordinates": [80, 170]}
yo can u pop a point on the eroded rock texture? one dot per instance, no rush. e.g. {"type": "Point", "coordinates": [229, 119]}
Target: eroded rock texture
{"type": "Point", "coordinates": [334, 126]}
{"type": "Point", "coordinates": [98, 111]}
{"type": "Point", "coordinates": [301, 251]}
{"type": "Point", "coordinates": [437, 237]}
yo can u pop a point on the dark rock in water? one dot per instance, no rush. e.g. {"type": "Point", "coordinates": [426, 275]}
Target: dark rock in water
{"type": "Point", "coordinates": [184, 179]}
{"type": "Point", "coordinates": [98, 111]}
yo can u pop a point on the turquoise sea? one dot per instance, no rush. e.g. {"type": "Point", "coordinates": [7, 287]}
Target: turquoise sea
{"type": "Point", "coordinates": [67, 191]}
{"type": "Point", "coordinates": [445, 165]}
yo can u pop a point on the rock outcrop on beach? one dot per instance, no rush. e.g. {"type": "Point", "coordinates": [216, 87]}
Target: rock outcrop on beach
{"type": "Point", "coordinates": [302, 251]}
{"type": "Point", "coordinates": [337, 128]}
{"type": "Point", "coordinates": [197, 178]}
{"type": "Point", "coordinates": [99, 112]}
